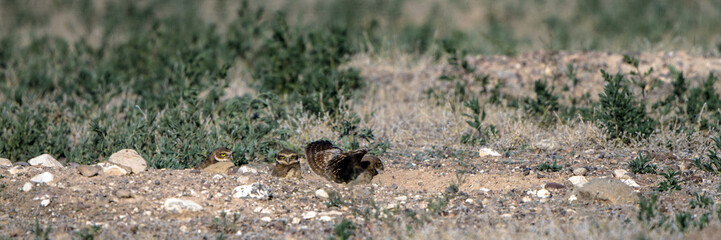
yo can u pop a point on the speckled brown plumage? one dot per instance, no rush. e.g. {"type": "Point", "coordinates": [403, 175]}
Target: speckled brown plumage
{"type": "Point", "coordinates": [286, 165]}
{"type": "Point", "coordinates": [220, 154]}
{"type": "Point", "coordinates": [330, 162]}
{"type": "Point", "coordinates": [372, 166]}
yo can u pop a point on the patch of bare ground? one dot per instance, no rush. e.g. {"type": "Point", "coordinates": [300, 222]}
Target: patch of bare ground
{"type": "Point", "coordinates": [433, 186]}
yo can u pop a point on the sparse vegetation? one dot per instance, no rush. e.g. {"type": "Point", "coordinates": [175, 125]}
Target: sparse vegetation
{"type": "Point", "coordinates": [413, 82]}
{"type": "Point", "coordinates": [641, 165]}
{"type": "Point", "coordinates": [620, 114]}
{"type": "Point", "coordinates": [552, 167]}
{"type": "Point", "coordinates": [670, 182]}
{"type": "Point", "coordinates": [344, 230]}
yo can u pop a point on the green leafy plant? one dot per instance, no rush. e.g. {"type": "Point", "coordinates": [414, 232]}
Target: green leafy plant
{"type": "Point", "coordinates": [480, 133]}
{"type": "Point", "coordinates": [620, 114]}
{"type": "Point", "coordinates": [545, 103]}
{"type": "Point", "coordinates": [89, 232]}
{"type": "Point", "coordinates": [670, 182]}
{"type": "Point", "coordinates": [553, 167]}
{"type": "Point", "coordinates": [701, 201]}
{"type": "Point", "coordinates": [713, 164]}
{"type": "Point", "coordinates": [40, 231]}
{"type": "Point", "coordinates": [641, 165]}
{"type": "Point", "coordinates": [343, 230]}
{"type": "Point", "coordinates": [225, 224]}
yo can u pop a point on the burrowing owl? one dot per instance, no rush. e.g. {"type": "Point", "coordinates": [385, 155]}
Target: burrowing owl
{"type": "Point", "coordinates": [286, 165]}
{"type": "Point", "coordinates": [329, 161]}
{"type": "Point", "coordinates": [219, 155]}
{"type": "Point", "coordinates": [372, 166]}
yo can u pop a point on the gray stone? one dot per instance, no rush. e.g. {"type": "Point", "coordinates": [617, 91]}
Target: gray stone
{"type": "Point", "coordinates": [89, 170]}
{"type": "Point", "coordinates": [4, 162]}
{"type": "Point", "coordinates": [129, 158]}
{"type": "Point", "coordinates": [22, 164]}
{"type": "Point", "coordinates": [123, 193]}
{"type": "Point", "coordinates": [553, 185]}
{"type": "Point", "coordinates": [580, 171]}
{"type": "Point", "coordinates": [45, 177]}
{"type": "Point", "coordinates": [254, 190]}
{"type": "Point", "coordinates": [45, 160]}
{"type": "Point", "coordinates": [176, 205]}
{"type": "Point", "coordinates": [606, 190]}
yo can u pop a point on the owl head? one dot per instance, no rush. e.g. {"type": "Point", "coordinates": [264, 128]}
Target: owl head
{"type": "Point", "coordinates": [372, 162]}
{"type": "Point", "coordinates": [222, 154]}
{"type": "Point", "coordinates": [286, 157]}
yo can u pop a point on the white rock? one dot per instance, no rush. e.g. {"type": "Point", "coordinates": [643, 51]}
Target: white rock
{"type": "Point", "coordinates": [580, 171]}
{"type": "Point", "coordinates": [631, 182]}
{"type": "Point", "coordinates": [469, 201]}
{"type": "Point", "coordinates": [619, 173]}
{"type": "Point", "coordinates": [572, 198]}
{"type": "Point", "coordinates": [543, 193]}
{"type": "Point", "coordinates": [129, 158]}
{"type": "Point", "coordinates": [217, 177]}
{"type": "Point", "coordinates": [578, 181]}
{"type": "Point", "coordinates": [254, 190]}
{"type": "Point", "coordinates": [331, 213]}
{"type": "Point", "coordinates": [526, 199]}
{"type": "Point", "coordinates": [488, 152]}
{"type": "Point", "coordinates": [45, 202]}
{"type": "Point", "coordinates": [484, 190]}
{"type": "Point", "coordinates": [45, 177]}
{"type": "Point", "coordinates": [45, 160]}
{"type": "Point", "coordinates": [246, 169]}
{"type": "Point", "coordinates": [258, 209]}
{"type": "Point", "coordinates": [243, 179]}
{"type": "Point", "coordinates": [4, 162]}
{"type": "Point", "coordinates": [266, 219]}
{"type": "Point", "coordinates": [322, 194]}
{"type": "Point", "coordinates": [401, 198]}
{"type": "Point", "coordinates": [326, 218]}
{"type": "Point", "coordinates": [112, 169]}
{"type": "Point", "coordinates": [295, 220]}
{"type": "Point", "coordinates": [16, 169]}
{"type": "Point", "coordinates": [309, 215]}
{"type": "Point", "coordinates": [27, 187]}
{"type": "Point", "coordinates": [179, 205]}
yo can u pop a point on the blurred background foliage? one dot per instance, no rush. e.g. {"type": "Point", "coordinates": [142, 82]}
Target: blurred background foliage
{"type": "Point", "coordinates": [83, 78]}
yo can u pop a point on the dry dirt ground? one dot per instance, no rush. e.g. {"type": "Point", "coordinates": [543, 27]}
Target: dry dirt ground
{"type": "Point", "coordinates": [496, 195]}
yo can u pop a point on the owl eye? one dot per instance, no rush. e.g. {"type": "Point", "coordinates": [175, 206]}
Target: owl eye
{"type": "Point", "coordinates": [282, 157]}
{"type": "Point", "coordinates": [378, 164]}
{"type": "Point", "coordinates": [222, 154]}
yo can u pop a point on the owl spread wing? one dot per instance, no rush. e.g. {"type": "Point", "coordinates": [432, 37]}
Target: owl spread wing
{"type": "Point", "coordinates": [319, 153]}
{"type": "Point", "coordinates": [345, 167]}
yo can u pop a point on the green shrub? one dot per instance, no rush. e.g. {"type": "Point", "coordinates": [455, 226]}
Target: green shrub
{"type": "Point", "coordinates": [553, 167]}
{"type": "Point", "coordinates": [621, 115]}
{"type": "Point", "coordinates": [480, 133]}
